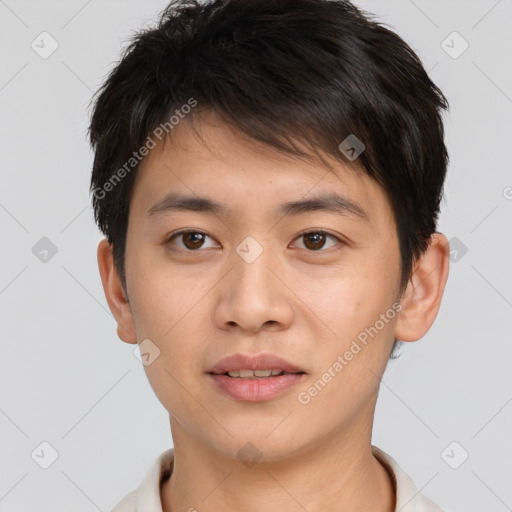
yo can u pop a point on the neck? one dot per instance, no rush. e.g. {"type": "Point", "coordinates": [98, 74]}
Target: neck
{"type": "Point", "coordinates": [342, 471]}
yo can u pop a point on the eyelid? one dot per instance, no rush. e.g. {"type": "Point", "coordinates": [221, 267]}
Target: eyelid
{"type": "Point", "coordinates": [185, 231]}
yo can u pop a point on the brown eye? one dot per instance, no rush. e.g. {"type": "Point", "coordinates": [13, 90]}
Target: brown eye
{"type": "Point", "coordinates": [190, 240]}
{"type": "Point", "coordinates": [316, 240]}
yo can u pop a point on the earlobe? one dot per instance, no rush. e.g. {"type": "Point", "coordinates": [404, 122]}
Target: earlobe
{"type": "Point", "coordinates": [114, 293]}
{"type": "Point", "coordinates": [422, 299]}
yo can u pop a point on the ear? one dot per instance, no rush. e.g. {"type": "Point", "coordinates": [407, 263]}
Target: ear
{"type": "Point", "coordinates": [114, 293]}
{"type": "Point", "coordinates": [422, 298]}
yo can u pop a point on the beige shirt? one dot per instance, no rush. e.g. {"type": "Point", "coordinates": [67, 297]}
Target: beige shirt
{"type": "Point", "coordinates": [146, 498]}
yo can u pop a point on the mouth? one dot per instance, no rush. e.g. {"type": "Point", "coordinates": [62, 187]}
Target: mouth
{"type": "Point", "coordinates": [251, 366]}
{"type": "Point", "coordinates": [257, 374]}
{"type": "Point", "coordinates": [255, 378]}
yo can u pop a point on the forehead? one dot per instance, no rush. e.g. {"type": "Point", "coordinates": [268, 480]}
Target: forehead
{"type": "Point", "coordinates": [212, 168]}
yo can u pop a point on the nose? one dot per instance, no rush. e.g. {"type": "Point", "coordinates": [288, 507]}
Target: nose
{"type": "Point", "coordinates": [254, 294]}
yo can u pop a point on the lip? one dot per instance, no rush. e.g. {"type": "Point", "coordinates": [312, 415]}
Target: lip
{"type": "Point", "coordinates": [255, 389]}
{"type": "Point", "coordinates": [253, 362]}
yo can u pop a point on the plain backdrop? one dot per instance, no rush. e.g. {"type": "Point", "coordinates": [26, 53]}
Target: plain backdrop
{"type": "Point", "coordinates": [66, 380]}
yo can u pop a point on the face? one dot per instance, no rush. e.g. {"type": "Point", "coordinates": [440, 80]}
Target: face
{"type": "Point", "coordinates": [314, 283]}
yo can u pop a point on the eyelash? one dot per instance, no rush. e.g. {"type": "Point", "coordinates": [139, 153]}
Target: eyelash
{"type": "Point", "coordinates": [301, 235]}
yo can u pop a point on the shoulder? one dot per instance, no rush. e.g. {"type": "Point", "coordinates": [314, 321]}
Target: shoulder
{"type": "Point", "coordinates": [127, 504]}
{"type": "Point", "coordinates": [408, 498]}
{"type": "Point", "coordinates": [146, 497]}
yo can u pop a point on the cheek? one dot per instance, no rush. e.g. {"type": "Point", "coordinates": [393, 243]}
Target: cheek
{"type": "Point", "coordinates": [167, 311]}
{"type": "Point", "coordinates": [357, 307]}
{"type": "Point", "coordinates": [349, 302]}
{"type": "Point", "coordinates": [163, 301]}
{"type": "Point", "coordinates": [346, 383]}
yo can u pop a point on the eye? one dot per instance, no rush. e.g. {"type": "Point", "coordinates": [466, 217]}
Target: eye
{"type": "Point", "coordinates": [191, 240]}
{"type": "Point", "coordinates": [315, 240]}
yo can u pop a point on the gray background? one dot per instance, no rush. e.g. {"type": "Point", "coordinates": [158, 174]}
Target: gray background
{"type": "Point", "coordinates": [65, 377]}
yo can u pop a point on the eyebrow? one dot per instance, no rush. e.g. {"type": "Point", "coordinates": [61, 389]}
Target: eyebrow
{"type": "Point", "coordinates": [330, 202]}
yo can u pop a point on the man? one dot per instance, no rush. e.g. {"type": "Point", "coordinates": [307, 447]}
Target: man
{"type": "Point", "coordinates": [268, 176]}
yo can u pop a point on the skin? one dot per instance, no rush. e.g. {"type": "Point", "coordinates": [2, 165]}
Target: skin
{"type": "Point", "coordinates": [200, 305]}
